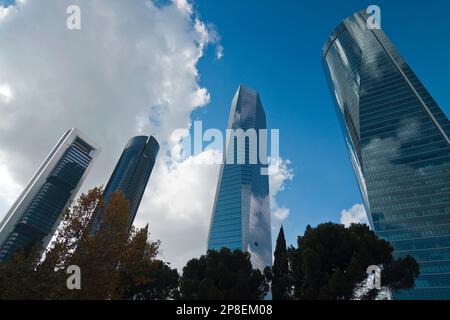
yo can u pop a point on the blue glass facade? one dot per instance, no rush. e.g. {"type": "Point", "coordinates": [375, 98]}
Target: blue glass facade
{"type": "Point", "coordinates": [42, 212]}
{"type": "Point", "coordinates": [241, 213]}
{"type": "Point", "coordinates": [131, 174]}
{"type": "Point", "coordinates": [398, 141]}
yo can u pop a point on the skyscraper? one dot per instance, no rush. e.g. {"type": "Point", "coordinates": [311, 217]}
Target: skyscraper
{"type": "Point", "coordinates": [398, 141]}
{"type": "Point", "coordinates": [241, 213]}
{"type": "Point", "coordinates": [35, 214]}
{"type": "Point", "coordinates": [131, 174]}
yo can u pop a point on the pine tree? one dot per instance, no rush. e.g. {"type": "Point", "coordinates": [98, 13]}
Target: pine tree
{"type": "Point", "coordinates": [280, 270]}
{"type": "Point", "coordinates": [330, 263]}
{"type": "Point", "coordinates": [222, 275]}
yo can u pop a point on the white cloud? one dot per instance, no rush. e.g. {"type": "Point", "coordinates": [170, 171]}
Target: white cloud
{"type": "Point", "coordinates": [209, 34]}
{"type": "Point", "coordinates": [356, 214]}
{"type": "Point", "coordinates": [131, 69]}
{"type": "Point", "coordinates": [9, 188]}
{"type": "Point", "coordinates": [281, 213]}
{"type": "Point", "coordinates": [128, 61]}
{"type": "Point", "coordinates": [219, 52]}
{"type": "Point", "coordinates": [178, 205]}
{"type": "Point", "coordinates": [280, 173]}
{"type": "Point", "coordinates": [182, 201]}
{"type": "Point", "coordinates": [6, 93]}
{"type": "Point", "coordinates": [4, 12]}
{"type": "Point", "coordinates": [184, 6]}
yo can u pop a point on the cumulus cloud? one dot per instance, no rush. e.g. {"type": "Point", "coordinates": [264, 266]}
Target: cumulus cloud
{"type": "Point", "coordinates": [3, 13]}
{"type": "Point", "coordinates": [178, 205]}
{"type": "Point", "coordinates": [5, 93]}
{"type": "Point", "coordinates": [182, 200]}
{"type": "Point", "coordinates": [9, 188]}
{"type": "Point", "coordinates": [129, 61]}
{"type": "Point", "coordinates": [184, 6]}
{"type": "Point", "coordinates": [356, 214]}
{"type": "Point", "coordinates": [219, 52]}
{"type": "Point", "coordinates": [280, 173]}
{"type": "Point", "coordinates": [131, 69]}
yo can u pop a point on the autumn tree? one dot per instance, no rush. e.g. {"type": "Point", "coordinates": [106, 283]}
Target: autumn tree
{"type": "Point", "coordinates": [114, 262]}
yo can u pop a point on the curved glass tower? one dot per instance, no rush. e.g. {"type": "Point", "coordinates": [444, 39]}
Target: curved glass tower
{"type": "Point", "coordinates": [398, 141]}
{"type": "Point", "coordinates": [131, 174]}
{"type": "Point", "coordinates": [241, 213]}
{"type": "Point", "coordinates": [34, 216]}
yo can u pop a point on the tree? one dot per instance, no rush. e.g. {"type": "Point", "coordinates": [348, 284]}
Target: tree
{"type": "Point", "coordinates": [281, 283]}
{"type": "Point", "coordinates": [17, 277]}
{"type": "Point", "coordinates": [164, 284]}
{"type": "Point", "coordinates": [115, 263]}
{"type": "Point", "coordinates": [222, 275]}
{"type": "Point", "coordinates": [331, 262]}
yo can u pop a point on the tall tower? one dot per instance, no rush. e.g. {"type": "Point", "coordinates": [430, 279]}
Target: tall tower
{"type": "Point", "coordinates": [398, 142]}
{"type": "Point", "coordinates": [131, 175]}
{"type": "Point", "coordinates": [35, 214]}
{"type": "Point", "coordinates": [241, 213]}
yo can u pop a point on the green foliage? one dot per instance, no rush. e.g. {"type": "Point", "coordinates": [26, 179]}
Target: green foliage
{"type": "Point", "coordinates": [163, 284]}
{"type": "Point", "coordinates": [223, 275]}
{"type": "Point", "coordinates": [281, 282]}
{"type": "Point", "coordinates": [119, 262]}
{"type": "Point", "coordinates": [331, 261]}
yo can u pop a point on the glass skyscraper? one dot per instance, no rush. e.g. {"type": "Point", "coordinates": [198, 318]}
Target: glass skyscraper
{"type": "Point", "coordinates": [131, 175]}
{"type": "Point", "coordinates": [35, 214]}
{"type": "Point", "coordinates": [241, 213]}
{"type": "Point", "coordinates": [398, 141]}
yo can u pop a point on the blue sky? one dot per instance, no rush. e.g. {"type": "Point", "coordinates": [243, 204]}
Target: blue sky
{"type": "Point", "coordinates": [6, 2]}
{"type": "Point", "coordinates": [275, 47]}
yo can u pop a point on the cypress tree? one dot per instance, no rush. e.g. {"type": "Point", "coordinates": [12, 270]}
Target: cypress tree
{"type": "Point", "coordinates": [280, 280]}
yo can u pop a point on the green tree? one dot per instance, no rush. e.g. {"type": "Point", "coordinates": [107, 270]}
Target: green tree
{"type": "Point", "coordinates": [222, 275]}
{"type": "Point", "coordinates": [18, 277]}
{"type": "Point", "coordinates": [163, 285]}
{"type": "Point", "coordinates": [331, 262]}
{"type": "Point", "coordinates": [281, 282]}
